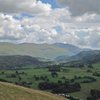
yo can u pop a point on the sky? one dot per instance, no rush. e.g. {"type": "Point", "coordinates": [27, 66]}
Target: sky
{"type": "Point", "coordinates": [75, 22]}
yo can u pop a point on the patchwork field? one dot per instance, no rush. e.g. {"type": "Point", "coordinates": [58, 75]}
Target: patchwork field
{"type": "Point", "coordinates": [84, 74]}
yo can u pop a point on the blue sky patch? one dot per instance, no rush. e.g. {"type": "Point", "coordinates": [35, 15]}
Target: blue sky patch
{"type": "Point", "coordinates": [52, 2]}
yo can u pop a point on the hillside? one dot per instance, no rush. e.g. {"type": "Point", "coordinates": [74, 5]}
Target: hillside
{"type": "Point", "coordinates": [49, 51]}
{"type": "Point", "coordinates": [71, 48]}
{"type": "Point", "coordinates": [92, 56]}
{"type": "Point", "coordinates": [86, 57]}
{"type": "Point", "coordinates": [12, 92]}
{"type": "Point", "coordinates": [18, 62]}
{"type": "Point", "coordinates": [31, 49]}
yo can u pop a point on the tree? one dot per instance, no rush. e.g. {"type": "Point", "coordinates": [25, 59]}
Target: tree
{"type": "Point", "coordinates": [54, 74]}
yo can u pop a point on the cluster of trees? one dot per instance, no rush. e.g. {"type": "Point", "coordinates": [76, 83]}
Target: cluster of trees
{"type": "Point", "coordinates": [15, 75]}
{"type": "Point", "coordinates": [3, 80]}
{"type": "Point", "coordinates": [54, 74]}
{"type": "Point", "coordinates": [85, 79]}
{"type": "Point", "coordinates": [54, 68]}
{"type": "Point", "coordinates": [95, 95]}
{"type": "Point", "coordinates": [89, 79]}
{"type": "Point", "coordinates": [23, 83]}
{"type": "Point", "coordinates": [77, 64]}
{"type": "Point", "coordinates": [2, 73]}
{"type": "Point", "coordinates": [59, 87]}
{"type": "Point", "coordinates": [96, 74]}
{"type": "Point", "coordinates": [42, 77]}
{"type": "Point", "coordinates": [11, 76]}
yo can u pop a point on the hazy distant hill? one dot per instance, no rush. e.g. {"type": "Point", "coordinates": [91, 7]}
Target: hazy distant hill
{"type": "Point", "coordinates": [38, 50]}
{"type": "Point", "coordinates": [92, 56]}
{"type": "Point", "coordinates": [71, 48]}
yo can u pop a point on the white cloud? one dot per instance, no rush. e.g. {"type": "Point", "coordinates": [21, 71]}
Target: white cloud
{"type": "Point", "coordinates": [20, 6]}
{"type": "Point", "coordinates": [86, 17]}
{"type": "Point", "coordinates": [10, 29]}
{"type": "Point", "coordinates": [43, 27]}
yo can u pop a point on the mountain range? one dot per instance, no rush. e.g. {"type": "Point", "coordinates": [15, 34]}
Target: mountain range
{"type": "Point", "coordinates": [30, 54]}
{"type": "Point", "coordinates": [48, 51]}
{"type": "Point", "coordinates": [59, 52]}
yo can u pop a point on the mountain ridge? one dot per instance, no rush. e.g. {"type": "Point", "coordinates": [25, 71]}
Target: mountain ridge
{"type": "Point", "coordinates": [48, 51]}
{"type": "Point", "coordinates": [84, 57]}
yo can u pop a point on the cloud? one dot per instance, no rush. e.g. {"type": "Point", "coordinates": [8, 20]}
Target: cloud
{"type": "Point", "coordinates": [93, 39]}
{"type": "Point", "coordinates": [79, 7]}
{"type": "Point", "coordinates": [10, 29]}
{"type": "Point", "coordinates": [20, 6]}
{"type": "Point", "coordinates": [42, 24]}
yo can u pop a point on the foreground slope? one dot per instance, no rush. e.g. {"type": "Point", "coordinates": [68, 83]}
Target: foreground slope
{"type": "Point", "coordinates": [12, 92]}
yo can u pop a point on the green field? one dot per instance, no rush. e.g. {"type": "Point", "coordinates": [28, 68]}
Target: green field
{"type": "Point", "coordinates": [69, 73]}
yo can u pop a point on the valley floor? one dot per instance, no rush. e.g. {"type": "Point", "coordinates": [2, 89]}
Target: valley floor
{"type": "Point", "coordinates": [69, 73]}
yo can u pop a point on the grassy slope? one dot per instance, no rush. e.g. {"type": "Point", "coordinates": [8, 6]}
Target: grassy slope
{"type": "Point", "coordinates": [36, 50]}
{"type": "Point", "coordinates": [12, 92]}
